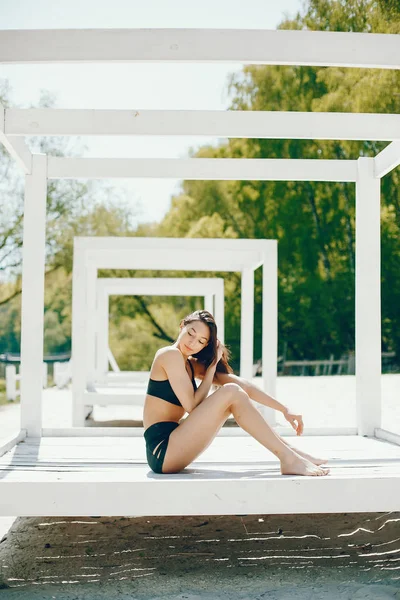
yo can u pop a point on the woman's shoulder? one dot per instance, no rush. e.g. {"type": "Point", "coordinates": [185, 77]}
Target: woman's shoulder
{"type": "Point", "coordinates": [168, 353]}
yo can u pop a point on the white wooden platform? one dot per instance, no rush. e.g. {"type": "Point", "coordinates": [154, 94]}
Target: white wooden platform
{"type": "Point", "coordinates": [76, 476]}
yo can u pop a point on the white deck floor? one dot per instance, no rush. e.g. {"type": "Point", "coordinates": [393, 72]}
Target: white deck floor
{"type": "Point", "coordinates": [77, 476]}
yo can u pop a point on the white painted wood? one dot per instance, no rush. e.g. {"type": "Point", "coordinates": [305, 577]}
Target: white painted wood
{"type": "Point", "coordinates": [79, 367]}
{"type": "Point", "coordinates": [387, 160]}
{"type": "Point", "coordinates": [102, 334]}
{"type": "Point", "coordinates": [368, 299]}
{"type": "Point", "coordinates": [15, 146]}
{"type": "Point", "coordinates": [62, 373]}
{"type": "Point", "coordinates": [259, 495]}
{"type": "Point", "coordinates": [230, 169]}
{"type": "Point", "coordinates": [219, 308]}
{"type": "Point", "coordinates": [210, 123]}
{"type": "Point", "coordinates": [33, 266]}
{"type": "Point", "coordinates": [270, 327]}
{"type": "Point", "coordinates": [209, 303]}
{"type": "Point", "coordinates": [247, 324]}
{"type": "Point", "coordinates": [159, 244]}
{"type": "Point", "coordinates": [12, 441]}
{"type": "Point", "coordinates": [104, 432]}
{"type": "Point", "coordinates": [89, 333]}
{"type": "Point", "coordinates": [246, 46]}
{"type": "Point", "coordinates": [157, 286]}
{"type": "Point", "coordinates": [11, 383]}
{"type": "Point", "coordinates": [73, 476]}
{"type": "Point", "coordinates": [389, 436]}
{"type": "Point", "coordinates": [173, 259]}
{"type": "Point", "coordinates": [160, 253]}
{"type": "Point", "coordinates": [111, 359]}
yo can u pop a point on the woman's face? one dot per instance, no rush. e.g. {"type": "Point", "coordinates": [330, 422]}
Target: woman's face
{"type": "Point", "coordinates": [193, 338]}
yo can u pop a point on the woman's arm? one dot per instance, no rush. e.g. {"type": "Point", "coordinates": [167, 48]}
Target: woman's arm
{"type": "Point", "coordinates": [252, 390]}
{"type": "Point", "coordinates": [173, 364]}
{"type": "Point", "coordinates": [295, 420]}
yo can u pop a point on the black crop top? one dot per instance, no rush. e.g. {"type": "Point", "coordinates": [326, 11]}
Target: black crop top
{"type": "Point", "coordinates": [162, 389]}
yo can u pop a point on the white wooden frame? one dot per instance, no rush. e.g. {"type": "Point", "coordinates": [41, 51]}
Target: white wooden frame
{"type": "Point", "coordinates": [91, 254]}
{"type": "Point", "coordinates": [248, 47]}
{"type": "Point", "coordinates": [78, 493]}
{"type": "Point", "coordinates": [212, 289]}
{"type": "Point", "coordinates": [282, 47]}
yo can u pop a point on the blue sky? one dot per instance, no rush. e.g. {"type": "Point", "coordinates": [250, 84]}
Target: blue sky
{"type": "Point", "coordinates": [139, 86]}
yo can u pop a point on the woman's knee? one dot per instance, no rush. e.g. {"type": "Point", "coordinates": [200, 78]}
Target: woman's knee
{"type": "Point", "coordinates": [233, 392]}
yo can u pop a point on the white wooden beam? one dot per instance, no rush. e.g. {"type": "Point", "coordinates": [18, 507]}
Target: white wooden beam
{"type": "Point", "coordinates": [15, 145]}
{"type": "Point", "coordinates": [89, 432]}
{"type": "Point", "coordinates": [170, 259]}
{"type": "Point", "coordinates": [219, 309]}
{"type": "Point", "coordinates": [210, 287]}
{"type": "Point", "coordinates": [270, 327]}
{"type": "Point", "coordinates": [388, 436]}
{"type": "Point", "coordinates": [214, 123]}
{"type": "Point", "coordinates": [368, 299]}
{"type": "Point", "coordinates": [251, 46]}
{"type": "Point", "coordinates": [12, 440]}
{"type": "Point", "coordinates": [247, 324]}
{"type": "Point", "coordinates": [253, 169]}
{"type": "Point", "coordinates": [78, 349]}
{"type": "Point", "coordinates": [32, 317]}
{"type": "Point", "coordinates": [160, 286]}
{"type": "Point", "coordinates": [387, 160]}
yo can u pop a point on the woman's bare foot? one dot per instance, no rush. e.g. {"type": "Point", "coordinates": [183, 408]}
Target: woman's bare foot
{"type": "Point", "coordinates": [312, 459]}
{"type": "Point", "coordinates": [297, 465]}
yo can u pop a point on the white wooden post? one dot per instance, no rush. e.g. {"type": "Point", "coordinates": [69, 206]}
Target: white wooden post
{"type": "Point", "coordinates": [91, 315]}
{"type": "Point", "coordinates": [209, 303]}
{"type": "Point", "coordinates": [33, 268]}
{"type": "Point", "coordinates": [11, 382]}
{"type": "Point", "coordinates": [219, 312]}
{"type": "Point", "coordinates": [102, 336]}
{"type": "Point", "coordinates": [78, 348]}
{"type": "Point", "coordinates": [270, 328]}
{"type": "Point", "coordinates": [368, 299]}
{"type": "Point", "coordinates": [247, 324]}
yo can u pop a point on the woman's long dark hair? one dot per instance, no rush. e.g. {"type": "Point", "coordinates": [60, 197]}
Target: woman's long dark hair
{"type": "Point", "coordinates": [209, 352]}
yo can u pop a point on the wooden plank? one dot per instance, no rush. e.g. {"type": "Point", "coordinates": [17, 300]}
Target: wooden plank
{"type": "Point", "coordinates": [228, 449]}
{"type": "Point", "coordinates": [368, 299]}
{"type": "Point", "coordinates": [221, 169]}
{"type": "Point", "coordinates": [210, 123]}
{"type": "Point", "coordinates": [15, 146]}
{"type": "Point", "coordinates": [389, 436]}
{"type": "Point", "coordinates": [387, 160]}
{"type": "Point", "coordinates": [251, 46]}
{"type": "Point", "coordinates": [11, 442]}
{"type": "Point", "coordinates": [77, 432]}
{"type": "Point", "coordinates": [32, 300]}
{"type": "Point", "coordinates": [244, 493]}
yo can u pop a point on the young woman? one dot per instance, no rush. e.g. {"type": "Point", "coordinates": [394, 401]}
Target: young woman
{"type": "Point", "coordinates": [172, 444]}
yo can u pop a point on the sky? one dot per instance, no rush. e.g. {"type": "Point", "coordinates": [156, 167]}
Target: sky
{"type": "Point", "coordinates": [135, 86]}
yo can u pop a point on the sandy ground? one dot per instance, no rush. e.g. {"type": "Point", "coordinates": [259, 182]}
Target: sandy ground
{"type": "Point", "coordinates": [332, 557]}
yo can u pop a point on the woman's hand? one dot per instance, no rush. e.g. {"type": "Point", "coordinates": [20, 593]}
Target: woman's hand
{"type": "Point", "coordinates": [296, 421]}
{"type": "Point", "coordinates": [220, 350]}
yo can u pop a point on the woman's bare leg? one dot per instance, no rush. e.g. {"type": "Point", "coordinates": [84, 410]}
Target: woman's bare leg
{"type": "Point", "coordinates": [313, 459]}
{"type": "Point", "coordinates": [203, 423]}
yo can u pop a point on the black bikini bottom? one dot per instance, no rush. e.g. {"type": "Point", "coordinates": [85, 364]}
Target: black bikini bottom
{"type": "Point", "coordinates": [157, 438]}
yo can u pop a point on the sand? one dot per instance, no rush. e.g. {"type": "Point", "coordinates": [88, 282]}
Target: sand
{"type": "Point", "coordinates": [334, 557]}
